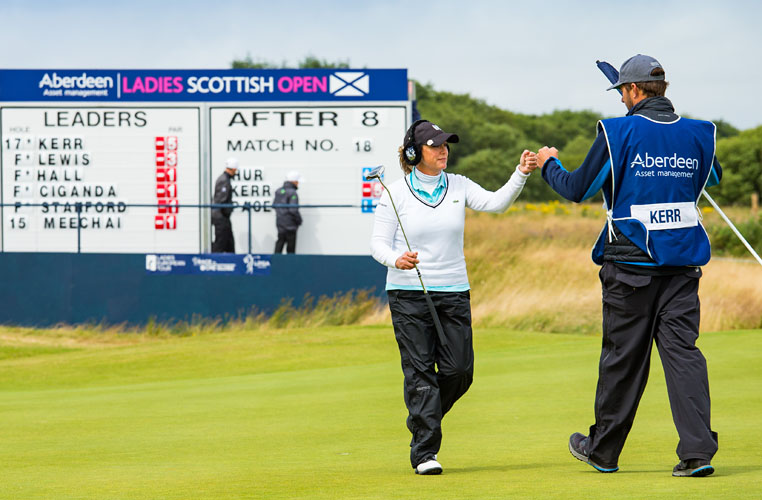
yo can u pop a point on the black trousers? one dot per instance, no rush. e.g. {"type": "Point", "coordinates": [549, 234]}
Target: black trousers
{"type": "Point", "coordinates": [287, 237]}
{"type": "Point", "coordinates": [436, 376]}
{"type": "Point", "coordinates": [223, 235]}
{"type": "Point", "coordinates": [639, 311]}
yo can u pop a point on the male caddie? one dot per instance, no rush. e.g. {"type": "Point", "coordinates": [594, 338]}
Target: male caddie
{"type": "Point", "coordinates": [651, 166]}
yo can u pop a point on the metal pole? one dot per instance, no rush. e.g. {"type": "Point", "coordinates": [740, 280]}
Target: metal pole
{"type": "Point", "coordinates": [79, 225]}
{"type": "Point", "coordinates": [248, 209]}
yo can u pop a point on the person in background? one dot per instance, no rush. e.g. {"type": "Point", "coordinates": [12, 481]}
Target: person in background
{"type": "Point", "coordinates": [287, 219]}
{"type": "Point", "coordinates": [223, 194]}
{"type": "Point", "coordinates": [432, 209]}
{"type": "Point", "coordinates": [652, 166]}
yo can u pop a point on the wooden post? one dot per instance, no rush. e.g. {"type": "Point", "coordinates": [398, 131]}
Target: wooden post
{"type": "Point", "coordinates": [754, 204]}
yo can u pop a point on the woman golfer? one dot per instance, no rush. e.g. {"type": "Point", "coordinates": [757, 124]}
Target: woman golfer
{"type": "Point", "coordinates": [438, 367]}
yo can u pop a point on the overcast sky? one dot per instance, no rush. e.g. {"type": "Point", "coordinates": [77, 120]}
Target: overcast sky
{"type": "Point", "coordinates": [528, 57]}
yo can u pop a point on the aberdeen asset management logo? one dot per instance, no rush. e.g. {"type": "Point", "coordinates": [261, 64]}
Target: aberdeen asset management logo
{"type": "Point", "coordinates": [674, 162]}
{"type": "Point", "coordinates": [349, 84]}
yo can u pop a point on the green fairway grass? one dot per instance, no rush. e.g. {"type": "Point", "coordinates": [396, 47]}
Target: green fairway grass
{"type": "Point", "coordinates": [318, 414]}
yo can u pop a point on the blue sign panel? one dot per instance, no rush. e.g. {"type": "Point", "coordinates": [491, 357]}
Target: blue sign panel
{"type": "Point", "coordinates": [219, 264]}
{"type": "Point", "coordinates": [204, 85]}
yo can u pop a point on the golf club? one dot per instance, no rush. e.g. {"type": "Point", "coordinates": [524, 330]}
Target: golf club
{"type": "Point", "coordinates": [377, 173]}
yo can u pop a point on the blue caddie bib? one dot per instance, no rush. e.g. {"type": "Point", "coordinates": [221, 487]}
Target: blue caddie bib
{"type": "Point", "coordinates": [658, 170]}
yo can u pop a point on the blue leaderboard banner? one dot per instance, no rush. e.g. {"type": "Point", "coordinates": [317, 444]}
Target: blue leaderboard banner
{"type": "Point", "coordinates": [218, 264]}
{"type": "Point", "coordinates": [203, 85]}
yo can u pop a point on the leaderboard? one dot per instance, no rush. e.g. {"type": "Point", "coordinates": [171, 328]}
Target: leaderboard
{"type": "Point", "coordinates": [120, 160]}
{"type": "Point", "coordinates": [100, 179]}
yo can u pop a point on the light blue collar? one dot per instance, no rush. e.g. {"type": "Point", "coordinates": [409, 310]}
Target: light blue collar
{"type": "Point", "coordinates": [418, 181]}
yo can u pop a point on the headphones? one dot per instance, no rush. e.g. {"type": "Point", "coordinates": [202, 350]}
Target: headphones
{"type": "Point", "coordinates": [411, 149]}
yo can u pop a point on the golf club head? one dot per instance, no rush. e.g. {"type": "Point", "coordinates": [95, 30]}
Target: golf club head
{"type": "Point", "coordinates": [376, 173]}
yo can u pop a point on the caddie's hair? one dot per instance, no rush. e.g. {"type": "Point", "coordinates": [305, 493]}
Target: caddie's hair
{"type": "Point", "coordinates": [406, 168]}
{"type": "Point", "coordinates": [654, 88]}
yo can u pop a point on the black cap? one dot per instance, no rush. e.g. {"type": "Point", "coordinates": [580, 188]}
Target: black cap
{"type": "Point", "coordinates": [426, 133]}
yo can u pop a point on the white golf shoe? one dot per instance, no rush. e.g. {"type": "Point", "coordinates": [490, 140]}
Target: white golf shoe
{"type": "Point", "coordinates": [429, 467]}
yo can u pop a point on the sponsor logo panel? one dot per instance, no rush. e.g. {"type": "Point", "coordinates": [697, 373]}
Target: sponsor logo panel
{"type": "Point", "coordinates": [240, 264]}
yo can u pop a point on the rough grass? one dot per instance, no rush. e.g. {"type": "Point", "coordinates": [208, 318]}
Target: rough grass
{"type": "Point", "coordinates": [317, 413]}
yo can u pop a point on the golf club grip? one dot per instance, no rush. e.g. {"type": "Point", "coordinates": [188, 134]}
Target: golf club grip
{"type": "Point", "coordinates": [420, 278]}
{"type": "Point", "coordinates": [435, 317]}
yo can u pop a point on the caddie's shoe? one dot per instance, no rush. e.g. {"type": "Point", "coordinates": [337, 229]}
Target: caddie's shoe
{"type": "Point", "coordinates": [429, 467]}
{"type": "Point", "coordinates": [694, 467]}
{"type": "Point", "coordinates": [578, 448]}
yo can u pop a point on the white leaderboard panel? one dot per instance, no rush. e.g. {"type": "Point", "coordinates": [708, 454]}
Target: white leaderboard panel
{"type": "Point", "coordinates": [330, 146]}
{"type": "Point", "coordinates": [100, 160]}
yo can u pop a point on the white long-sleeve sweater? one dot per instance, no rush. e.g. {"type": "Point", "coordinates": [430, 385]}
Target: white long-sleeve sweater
{"type": "Point", "coordinates": [434, 231]}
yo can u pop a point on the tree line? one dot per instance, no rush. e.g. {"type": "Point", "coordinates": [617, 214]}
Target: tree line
{"type": "Point", "coordinates": [492, 139]}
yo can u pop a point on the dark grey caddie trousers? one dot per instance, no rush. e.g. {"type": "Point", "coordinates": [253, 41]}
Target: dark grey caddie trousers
{"type": "Point", "coordinates": [639, 311]}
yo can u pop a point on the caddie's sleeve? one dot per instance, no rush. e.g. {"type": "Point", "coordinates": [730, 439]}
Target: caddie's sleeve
{"type": "Point", "coordinates": [584, 182]}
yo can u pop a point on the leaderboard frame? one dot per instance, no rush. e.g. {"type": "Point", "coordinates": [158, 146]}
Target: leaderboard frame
{"type": "Point", "coordinates": [331, 164]}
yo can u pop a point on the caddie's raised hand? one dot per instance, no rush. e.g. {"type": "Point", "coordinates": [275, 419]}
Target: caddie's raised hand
{"type": "Point", "coordinates": [407, 260]}
{"type": "Point", "coordinates": [528, 162]}
{"type": "Point", "coordinates": [544, 153]}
